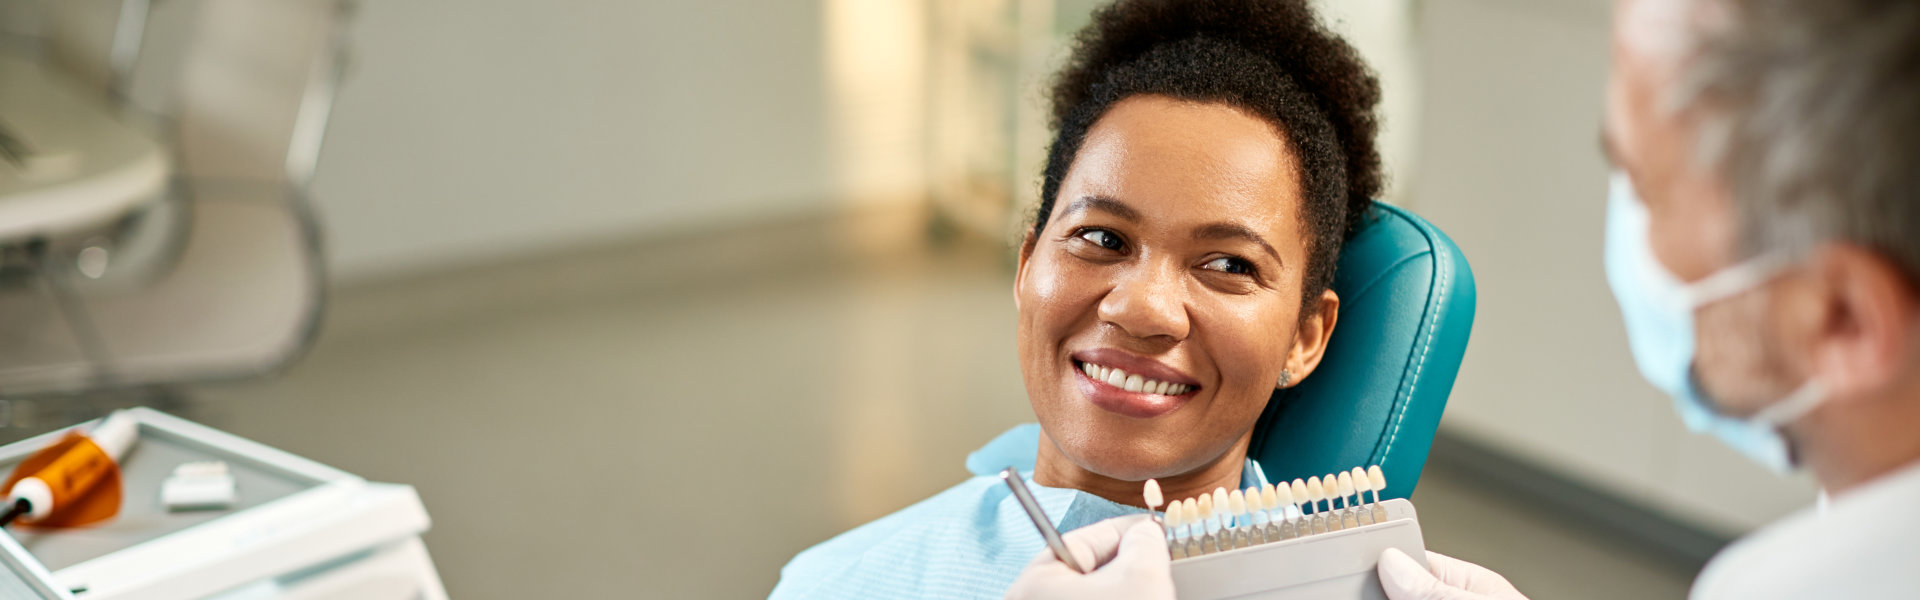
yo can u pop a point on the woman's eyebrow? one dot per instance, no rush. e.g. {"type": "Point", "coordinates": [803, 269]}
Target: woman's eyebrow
{"type": "Point", "coordinates": [1222, 231]}
{"type": "Point", "coordinates": [1104, 204]}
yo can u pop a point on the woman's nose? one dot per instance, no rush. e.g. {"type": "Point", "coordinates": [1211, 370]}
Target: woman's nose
{"type": "Point", "coordinates": [1149, 300]}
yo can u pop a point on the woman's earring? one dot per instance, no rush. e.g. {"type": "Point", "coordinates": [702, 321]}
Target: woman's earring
{"type": "Point", "coordinates": [1286, 378]}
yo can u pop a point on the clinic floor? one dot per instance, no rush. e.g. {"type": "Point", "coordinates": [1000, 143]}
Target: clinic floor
{"type": "Point", "coordinates": [676, 419]}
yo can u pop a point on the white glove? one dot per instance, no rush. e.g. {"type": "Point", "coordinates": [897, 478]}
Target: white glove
{"type": "Point", "coordinates": [1450, 579]}
{"type": "Point", "coordinates": [1127, 555]}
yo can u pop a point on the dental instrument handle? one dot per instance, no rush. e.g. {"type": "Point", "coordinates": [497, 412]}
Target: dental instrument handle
{"type": "Point", "coordinates": [1039, 517]}
{"type": "Point", "coordinates": [19, 508]}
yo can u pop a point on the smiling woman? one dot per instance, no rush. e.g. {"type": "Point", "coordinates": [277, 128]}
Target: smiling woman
{"type": "Point", "coordinates": [1181, 259]}
{"type": "Point", "coordinates": [1207, 158]}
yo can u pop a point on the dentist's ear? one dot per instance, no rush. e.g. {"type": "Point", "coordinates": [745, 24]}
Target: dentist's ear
{"type": "Point", "coordinates": [1858, 317]}
{"type": "Point", "coordinates": [1310, 339]}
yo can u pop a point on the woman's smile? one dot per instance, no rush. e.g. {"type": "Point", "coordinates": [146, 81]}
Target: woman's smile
{"type": "Point", "coordinates": [1130, 385]}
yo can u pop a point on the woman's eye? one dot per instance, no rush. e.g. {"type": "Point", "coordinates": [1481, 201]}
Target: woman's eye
{"type": "Point", "coordinates": [1102, 238]}
{"type": "Point", "coordinates": [1228, 264]}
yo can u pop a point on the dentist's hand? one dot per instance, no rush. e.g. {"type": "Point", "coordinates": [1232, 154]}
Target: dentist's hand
{"type": "Point", "coordinates": [1127, 555]}
{"type": "Point", "coordinates": [1450, 579]}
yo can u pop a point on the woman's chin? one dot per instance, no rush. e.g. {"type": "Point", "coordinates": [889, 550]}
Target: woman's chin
{"type": "Point", "coordinates": [1125, 464]}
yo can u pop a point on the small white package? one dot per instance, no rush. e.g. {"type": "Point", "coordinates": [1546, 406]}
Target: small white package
{"type": "Point", "coordinates": [204, 485]}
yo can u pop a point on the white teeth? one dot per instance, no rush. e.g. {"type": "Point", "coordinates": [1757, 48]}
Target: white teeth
{"type": "Point", "coordinates": [1131, 382]}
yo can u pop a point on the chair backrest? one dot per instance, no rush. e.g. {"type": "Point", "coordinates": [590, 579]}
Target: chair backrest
{"type": "Point", "coordinates": [245, 86]}
{"type": "Point", "coordinates": [1406, 308]}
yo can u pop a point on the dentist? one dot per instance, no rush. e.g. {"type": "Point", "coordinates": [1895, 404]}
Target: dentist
{"type": "Point", "coordinates": [1763, 242]}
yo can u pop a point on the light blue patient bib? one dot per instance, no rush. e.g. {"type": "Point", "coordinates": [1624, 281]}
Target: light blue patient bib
{"type": "Point", "coordinates": [970, 541]}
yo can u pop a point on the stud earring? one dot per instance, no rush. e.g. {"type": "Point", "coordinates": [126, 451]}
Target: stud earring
{"type": "Point", "coordinates": [1286, 378]}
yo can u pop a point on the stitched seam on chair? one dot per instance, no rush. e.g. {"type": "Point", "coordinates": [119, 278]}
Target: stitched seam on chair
{"type": "Point", "coordinates": [1440, 300]}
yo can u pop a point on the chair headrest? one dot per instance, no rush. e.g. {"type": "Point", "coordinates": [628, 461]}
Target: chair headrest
{"type": "Point", "coordinates": [1406, 308]}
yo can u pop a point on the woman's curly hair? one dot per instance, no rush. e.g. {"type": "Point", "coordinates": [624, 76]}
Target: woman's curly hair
{"type": "Point", "coordinates": [1271, 58]}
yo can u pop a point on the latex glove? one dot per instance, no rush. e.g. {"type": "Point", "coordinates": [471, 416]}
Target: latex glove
{"type": "Point", "coordinates": [1450, 579]}
{"type": "Point", "coordinates": [1127, 555]}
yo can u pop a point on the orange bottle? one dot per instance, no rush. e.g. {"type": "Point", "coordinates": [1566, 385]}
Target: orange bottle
{"type": "Point", "coordinates": [76, 481]}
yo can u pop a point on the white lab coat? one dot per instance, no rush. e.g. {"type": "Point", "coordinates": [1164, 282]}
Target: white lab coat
{"type": "Point", "coordinates": [1863, 544]}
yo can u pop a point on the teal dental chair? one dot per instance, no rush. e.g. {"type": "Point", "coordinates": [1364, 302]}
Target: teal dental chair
{"type": "Point", "coordinates": [1406, 307]}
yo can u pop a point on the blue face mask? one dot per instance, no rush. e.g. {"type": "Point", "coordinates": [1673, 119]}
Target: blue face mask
{"type": "Point", "coordinates": [1658, 309]}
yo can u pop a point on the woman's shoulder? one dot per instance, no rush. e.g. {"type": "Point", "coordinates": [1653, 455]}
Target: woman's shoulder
{"type": "Point", "coordinates": [921, 550]}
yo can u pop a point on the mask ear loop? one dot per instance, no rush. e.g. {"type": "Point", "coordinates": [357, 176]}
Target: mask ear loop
{"type": "Point", "coordinates": [1794, 406]}
{"type": "Point", "coordinates": [1735, 280]}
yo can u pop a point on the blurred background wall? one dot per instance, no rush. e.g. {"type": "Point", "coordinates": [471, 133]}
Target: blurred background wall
{"type": "Point", "coordinates": [474, 131]}
{"type": "Point", "coordinates": [734, 263]}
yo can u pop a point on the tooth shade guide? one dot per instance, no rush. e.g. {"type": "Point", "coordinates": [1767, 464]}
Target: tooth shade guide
{"type": "Point", "coordinates": [1332, 487]}
{"type": "Point", "coordinates": [1152, 493]}
{"type": "Point", "coordinates": [1253, 532]}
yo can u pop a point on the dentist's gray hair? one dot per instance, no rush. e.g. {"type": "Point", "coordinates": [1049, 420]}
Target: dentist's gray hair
{"type": "Point", "coordinates": [1811, 111]}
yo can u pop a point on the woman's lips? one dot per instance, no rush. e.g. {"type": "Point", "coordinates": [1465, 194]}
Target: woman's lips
{"type": "Point", "coordinates": [1153, 399]}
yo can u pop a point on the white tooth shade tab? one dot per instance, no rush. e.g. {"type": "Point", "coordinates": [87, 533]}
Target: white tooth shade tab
{"type": "Point", "coordinates": [1130, 381]}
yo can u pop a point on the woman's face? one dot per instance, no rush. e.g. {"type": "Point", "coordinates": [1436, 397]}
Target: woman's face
{"type": "Point", "coordinates": [1173, 253]}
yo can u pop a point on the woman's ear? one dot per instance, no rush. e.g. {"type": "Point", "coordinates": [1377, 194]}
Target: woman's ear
{"type": "Point", "coordinates": [1020, 271]}
{"type": "Point", "coordinates": [1310, 340]}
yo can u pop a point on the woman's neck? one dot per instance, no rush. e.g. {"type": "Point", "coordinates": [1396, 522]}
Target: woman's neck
{"type": "Point", "coordinates": [1053, 469]}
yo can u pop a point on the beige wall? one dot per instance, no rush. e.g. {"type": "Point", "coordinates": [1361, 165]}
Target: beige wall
{"type": "Point", "coordinates": [467, 131]}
